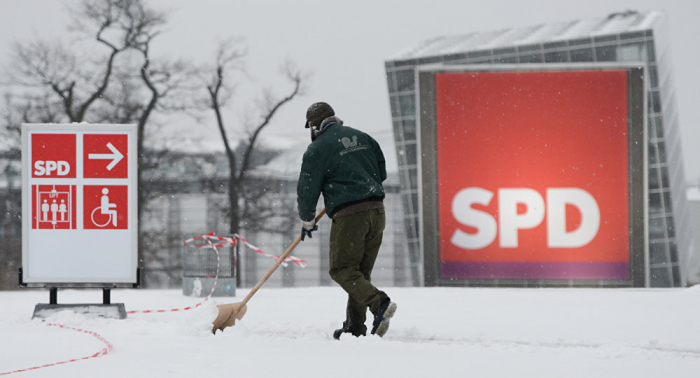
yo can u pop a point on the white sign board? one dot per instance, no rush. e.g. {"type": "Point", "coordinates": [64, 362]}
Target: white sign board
{"type": "Point", "coordinates": [79, 203]}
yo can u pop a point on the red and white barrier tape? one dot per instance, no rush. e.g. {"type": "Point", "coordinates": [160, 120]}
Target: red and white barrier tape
{"type": "Point", "coordinates": [109, 347]}
{"type": "Point", "coordinates": [301, 262]}
{"type": "Point", "coordinates": [222, 242]}
{"type": "Point", "coordinates": [208, 238]}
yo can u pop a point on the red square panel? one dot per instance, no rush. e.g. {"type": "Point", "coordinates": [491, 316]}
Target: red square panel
{"type": "Point", "coordinates": [105, 207]}
{"type": "Point", "coordinates": [53, 207]}
{"type": "Point", "coordinates": [53, 155]}
{"type": "Point", "coordinates": [105, 156]}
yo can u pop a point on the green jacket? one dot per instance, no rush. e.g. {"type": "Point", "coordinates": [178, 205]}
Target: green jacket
{"type": "Point", "coordinates": [344, 164]}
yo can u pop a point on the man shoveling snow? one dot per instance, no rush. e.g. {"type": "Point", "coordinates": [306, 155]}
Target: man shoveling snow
{"type": "Point", "coordinates": [348, 167]}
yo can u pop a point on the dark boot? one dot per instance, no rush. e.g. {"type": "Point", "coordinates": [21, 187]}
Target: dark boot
{"type": "Point", "coordinates": [382, 316]}
{"type": "Point", "coordinates": [348, 328]}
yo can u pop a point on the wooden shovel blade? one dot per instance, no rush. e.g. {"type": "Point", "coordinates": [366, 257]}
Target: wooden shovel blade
{"type": "Point", "coordinates": [228, 313]}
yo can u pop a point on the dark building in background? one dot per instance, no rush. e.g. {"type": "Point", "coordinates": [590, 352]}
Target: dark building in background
{"type": "Point", "coordinates": [620, 37]}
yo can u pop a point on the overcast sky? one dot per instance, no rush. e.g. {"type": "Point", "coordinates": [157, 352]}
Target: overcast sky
{"type": "Point", "coordinates": [345, 43]}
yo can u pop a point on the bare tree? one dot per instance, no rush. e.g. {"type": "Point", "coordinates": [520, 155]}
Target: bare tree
{"type": "Point", "coordinates": [82, 84]}
{"type": "Point", "coordinates": [220, 90]}
{"type": "Point", "coordinates": [80, 81]}
{"type": "Point", "coordinates": [117, 82]}
{"type": "Point", "coordinates": [165, 81]}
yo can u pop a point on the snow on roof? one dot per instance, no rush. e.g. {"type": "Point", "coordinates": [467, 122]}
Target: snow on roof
{"type": "Point", "coordinates": [615, 23]}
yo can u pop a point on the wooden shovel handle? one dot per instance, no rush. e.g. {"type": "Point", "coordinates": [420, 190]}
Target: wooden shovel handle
{"type": "Point", "coordinates": [277, 264]}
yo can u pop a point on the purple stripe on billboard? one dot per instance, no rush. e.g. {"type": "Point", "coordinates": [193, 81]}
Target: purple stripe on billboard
{"type": "Point", "coordinates": [536, 270]}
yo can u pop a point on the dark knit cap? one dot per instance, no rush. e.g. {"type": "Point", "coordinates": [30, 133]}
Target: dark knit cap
{"type": "Point", "coordinates": [317, 112]}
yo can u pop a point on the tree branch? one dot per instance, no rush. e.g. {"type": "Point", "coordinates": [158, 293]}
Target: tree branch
{"type": "Point", "coordinates": [294, 76]}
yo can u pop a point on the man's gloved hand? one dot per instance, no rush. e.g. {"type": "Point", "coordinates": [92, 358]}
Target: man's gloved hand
{"type": "Point", "coordinates": [307, 228]}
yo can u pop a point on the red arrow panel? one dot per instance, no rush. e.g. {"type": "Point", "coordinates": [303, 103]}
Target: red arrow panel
{"type": "Point", "coordinates": [105, 156]}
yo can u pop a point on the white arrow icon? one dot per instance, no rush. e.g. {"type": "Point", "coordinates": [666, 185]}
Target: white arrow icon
{"type": "Point", "coordinates": [115, 155]}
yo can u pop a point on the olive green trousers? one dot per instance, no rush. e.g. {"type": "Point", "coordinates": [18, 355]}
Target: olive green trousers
{"type": "Point", "coordinates": [354, 246]}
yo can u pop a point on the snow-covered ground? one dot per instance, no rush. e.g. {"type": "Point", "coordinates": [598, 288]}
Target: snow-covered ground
{"type": "Point", "coordinates": [436, 332]}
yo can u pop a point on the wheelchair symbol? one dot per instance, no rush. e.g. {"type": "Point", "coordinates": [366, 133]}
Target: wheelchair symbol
{"type": "Point", "coordinates": [107, 209]}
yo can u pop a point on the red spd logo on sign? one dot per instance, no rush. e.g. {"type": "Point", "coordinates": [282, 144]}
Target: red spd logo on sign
{"type": "Point", "coordinates": [105, 207]}
{"type": "Point", "coordinates": [105, 156]}
{"type": "Point", "coordinates": [522, 209]}
{"type": "Point", "coordinates": [53, 156]}
{"type": "Point", "coordinates": [533, 173]}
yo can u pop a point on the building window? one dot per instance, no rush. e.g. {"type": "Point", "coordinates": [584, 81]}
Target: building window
{"type": "Point", "coordinates": [553, 57]}
{"type": "Point", "coordinates": [409, 130]}
{"type": "Point", "coordinates": [413, 177]}
{"type": "Point", "coordinates": [653, 76]}
{"type": "Point", "coordinates": [408, 104]}
{"type": "Point", "coordinates": [667, 201]}
{"type": "Point", "coordinates": [653, 178]}
{"type": "Point", "coordinates": [651, 129]}
{"type": "Point", "coordinates": [508, 50]}
{"type": "Point", "coordinates": [554, 45]}
{"type": "Point", "coordinates": [582, 55]}
{"type": "Point", "coordinates": [651, 52]}
{"type": "Point", "coordinates": [606, 53]}
{"type": "Point", "coordinates": [662, 152]}
{"type": "Point", "coordinates": [631, 52]}
{"type": "Point", "coordinates": [659, 125]}
{"type": "Point", "coordinates": [657, 253]}
{"type": "Point", "coordinates": [632, 35]}
{"type": "Point", "coordinates": [507, 60]}
{"type": "Point", "coordinates": [401, 151]}
{"type": "Point", "coordinates": [479, 55]}
{"type": "Point", "coordinates": [655, 205]}
{"type": "Point", "coordinates": [579, 42]}
{"type": "Point", "coordinates": [606, 38]}
{"type": "Point", "coordinates": [673, 251]}
{"type": "Point", "coordinates": [395, 106]}
{"type": "Point", "coordinates": [660, 277]}
{"type": "Point", "coordinates": [664, 177]}
{"type": "Point", "coordinates": [657, 228]}
{"type": "Point", "coordinates": [398, 135]}
{"type": "Point", "coordinates": [652, 153]}
{"type": "Point", "coordinates": [409, 153]}
{"type": "Point", "coordinates": [670, 228]}
{"type": "Point", "coordinates": [656, 101]}
{"type": "Point", "coordinates": [455, 58]}
{"type": "Point", "coordinates": [390, 82]}
{"type": "Point", "coordinates": [532, 58]}
{"type": "Point", "coordinates": [405, 80]}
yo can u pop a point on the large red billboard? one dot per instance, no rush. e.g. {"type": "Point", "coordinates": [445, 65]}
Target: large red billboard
{"type": "Point", "coordinates": [533, 175]}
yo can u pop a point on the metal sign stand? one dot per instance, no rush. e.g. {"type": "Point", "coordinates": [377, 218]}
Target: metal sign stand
{"type": "Point", "coordinates": [79, 190]}
{"type": "Point", "coordinates": [104, 310]}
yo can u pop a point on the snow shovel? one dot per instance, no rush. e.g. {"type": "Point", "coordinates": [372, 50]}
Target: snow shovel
{"type": "Point", "coordinates": [228, 313]}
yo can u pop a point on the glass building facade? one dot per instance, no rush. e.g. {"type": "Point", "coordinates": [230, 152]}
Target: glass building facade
{"type": "Point", "coordinates": [621, 37]}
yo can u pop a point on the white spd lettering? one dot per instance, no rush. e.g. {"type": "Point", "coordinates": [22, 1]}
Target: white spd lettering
{"type": "Point", "coordinates": [510, 221]}
{"type": "Point", "coordinates": [45, 168]}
